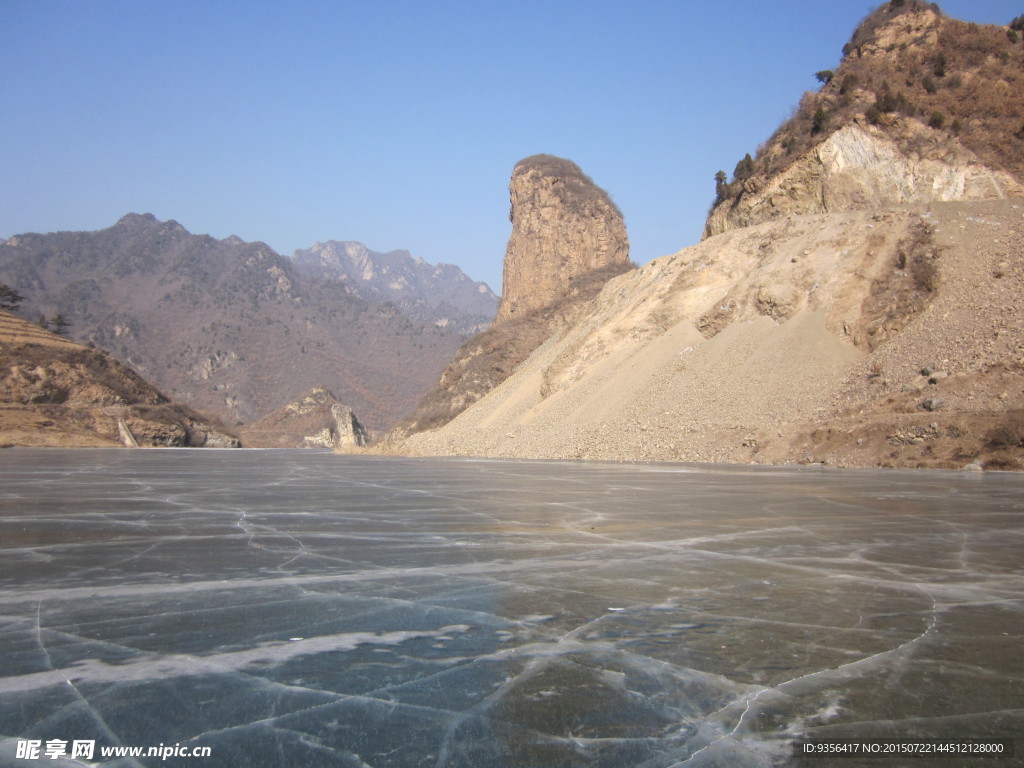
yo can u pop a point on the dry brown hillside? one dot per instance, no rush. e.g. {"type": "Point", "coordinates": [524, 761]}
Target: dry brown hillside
{"type": "Point", "coordinates": [939, 90]}
{"type": "Point", "coordinates": [54, 392]}
{"type": "Point", "coordinates": [229, 327]}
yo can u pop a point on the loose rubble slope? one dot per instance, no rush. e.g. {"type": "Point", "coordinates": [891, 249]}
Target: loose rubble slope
{"type": "Point", "coordinates": [794, 341]}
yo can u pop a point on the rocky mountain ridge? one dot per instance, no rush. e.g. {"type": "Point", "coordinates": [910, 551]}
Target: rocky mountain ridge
{"type": "Point", "coordinates": [441, 294]}
{"type": "Point", "coordinates": [853, 302]}
{"type": "Point", "coordinates": [922, 107]}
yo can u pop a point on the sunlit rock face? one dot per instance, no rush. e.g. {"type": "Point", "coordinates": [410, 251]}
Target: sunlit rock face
{"type": "Point", "coordinates": [861, 167]}
{"type": "Point", "coordinates": [568, 239]}
{"type": "Point", "coordinates": [563, 226]}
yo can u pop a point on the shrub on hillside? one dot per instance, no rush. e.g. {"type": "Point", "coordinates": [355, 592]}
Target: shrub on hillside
{"type": "Point", "coordinates": [971, 77]}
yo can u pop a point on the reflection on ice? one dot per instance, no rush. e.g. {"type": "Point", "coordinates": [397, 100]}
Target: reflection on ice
{"type": "Point", "coordinates": [289, 608]}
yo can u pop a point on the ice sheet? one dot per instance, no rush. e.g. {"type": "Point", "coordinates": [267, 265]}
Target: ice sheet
{"type": "Point", "coordinates": [301, 608]}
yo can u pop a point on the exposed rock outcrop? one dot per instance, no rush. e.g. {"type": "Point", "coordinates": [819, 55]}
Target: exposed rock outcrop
{"type": "Point", "coordinates": [923, 108]}
{"type": "Point", "coordinates": [317, 420]}
{"type": "Point", "coordinates": [563, 226]}
{"type": "Point", "coordinates": [54, 392]}
{"type": "Point", "coordinates": [568, 239]}
{"type": "Point", "coordinates": [862, 167]}
{"type": "Point", "coordinates": [786, 342]}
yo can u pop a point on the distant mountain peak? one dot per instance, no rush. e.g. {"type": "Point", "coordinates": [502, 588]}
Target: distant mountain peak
{"type": "Point", "coordinates": [147, 222]}
{"type": "Point", "coordinates": [136, 218]}
{"type": "Point", "coordinates": [442, 294]}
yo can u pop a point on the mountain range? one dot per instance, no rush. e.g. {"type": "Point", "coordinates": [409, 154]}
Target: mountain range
{"type": "Point", "coordinates": [854, 299]}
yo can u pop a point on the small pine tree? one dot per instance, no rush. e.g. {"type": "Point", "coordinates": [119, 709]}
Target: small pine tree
{"type": "Point", "coordinates": [825, 76]}
{"type": "Point", "coordinates": [744, 168]}
{"type": "Point", "coordinates": [721, 187]}
{"type": "Point", "coordinates": [60, 324]}
{"type": "Point", "coordinates": [887, 101]}
{"type": "Point", "coordinates": [820, 120]}
{"type": "Point", "coordinates": [10, 299]}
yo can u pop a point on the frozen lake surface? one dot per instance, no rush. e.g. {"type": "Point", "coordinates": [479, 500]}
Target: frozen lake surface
{"type": "Point", "coordinates": [304, 609]}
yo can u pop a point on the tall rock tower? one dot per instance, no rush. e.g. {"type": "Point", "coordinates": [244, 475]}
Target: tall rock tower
{"type": "Point", "coordinates": [568, 239]}
{"type": "Point", "coordinates": [563, 226]}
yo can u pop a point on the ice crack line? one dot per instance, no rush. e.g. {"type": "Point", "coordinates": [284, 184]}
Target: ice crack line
{"type": "Point", "coordinates": [74, 689]}
{"type": "Point", "coordinates": [821, 673]}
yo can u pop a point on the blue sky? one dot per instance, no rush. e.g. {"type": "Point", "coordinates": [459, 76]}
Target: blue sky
{"type": "Point", "coordinates": [396, 123]}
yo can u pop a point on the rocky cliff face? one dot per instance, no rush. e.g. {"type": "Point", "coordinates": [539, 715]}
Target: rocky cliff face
{"type": "Point", "coordinates": [882, 338]}
{"type": "Point", "coordinates": [441, 294]}
{"type": "Point", "coordinates": [563, 226]}
{"type": "Point", "coordinates": [54, 392]}
{"type": "Point", "coordinates": [317, 420]}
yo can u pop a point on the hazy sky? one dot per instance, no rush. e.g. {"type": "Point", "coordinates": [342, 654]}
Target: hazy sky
{"type": "Point", "coordinates": [396, 123]}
